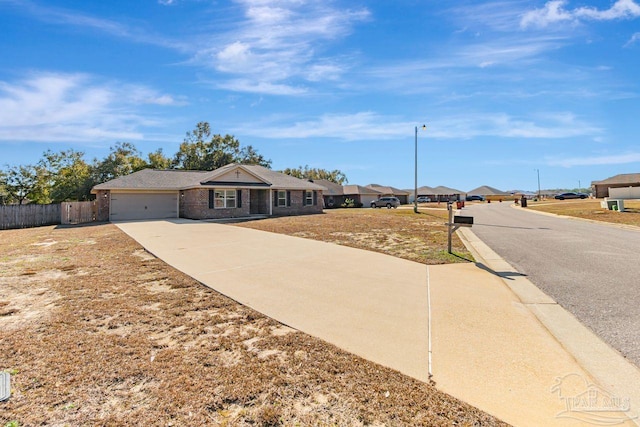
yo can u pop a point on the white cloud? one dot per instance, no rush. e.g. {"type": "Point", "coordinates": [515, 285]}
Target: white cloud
{"type": "Point", "coordinates": [551, 13]}
{"type": "Point", "coordinates": [61, 16]}
{"type": "Point", "coordinates": [554, 11]}
{"type": "Point", "coordinates": [372, 126]}
{"type": "Point", "coordinates": [621, 9]}
{"type": "Point", "coordinates": [278, 41]}
{"type": "Point", "coordinates": [55, 107]}
{"type": "Point", "coordinates": [634, 38]}
{"type": "Point", "coordinates": [264, 88]}
{"type": "Point", "coordinates": [617, 159]}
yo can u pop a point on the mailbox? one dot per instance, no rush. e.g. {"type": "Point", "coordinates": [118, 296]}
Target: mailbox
{"type": "Point", "coordinates": [463, 221]}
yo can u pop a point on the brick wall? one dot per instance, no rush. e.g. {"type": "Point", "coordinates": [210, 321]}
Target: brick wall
{"type": "Point", "coordinates": [194, 204]}
{"type": "Point", "coordinates": [297, 207]}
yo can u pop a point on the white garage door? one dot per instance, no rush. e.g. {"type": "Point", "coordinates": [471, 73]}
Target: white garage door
{"type": "Point", "coordinates": [128, 206]}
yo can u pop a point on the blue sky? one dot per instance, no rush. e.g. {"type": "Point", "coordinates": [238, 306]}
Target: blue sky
{"type": "Point", "coordinates": [505, 88]}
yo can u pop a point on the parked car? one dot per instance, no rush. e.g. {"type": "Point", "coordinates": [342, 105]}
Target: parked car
{"type": "Point", "coordinates": [423, 199]}
{"type": "Point", "coordinates": [563, 196]}
{"type": "Point", "coordinates": [389, 202]}
{"type": "Point", "coordinates": [474, 197]}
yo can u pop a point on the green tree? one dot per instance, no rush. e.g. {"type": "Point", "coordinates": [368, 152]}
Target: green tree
{"type": "Point", "coordinates": [67, 175]}
{"type": "Point", "coordinates": [157, 160]}
{"type": "Point", "coordinates": [201, 150]}
{"type": "Point", "coordinates": [21, 183]}
{"type": "Point", "coordinates": [306, 172]}
{"type": "Point", "coordinates": [123, 159]}
{"type": "Point", "coordinates": [4, 196]}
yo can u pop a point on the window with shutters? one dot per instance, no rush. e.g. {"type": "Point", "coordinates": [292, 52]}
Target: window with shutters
{"type": "Point", "coordinates": [308, 198]}
{"type": "Point", "coordinates": [225, 199]}
{"type": "Point", "coordinates": [282, 198]}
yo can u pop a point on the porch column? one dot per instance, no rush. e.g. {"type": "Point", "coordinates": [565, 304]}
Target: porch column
{"type": "Point", "coordinates": [270, 202]}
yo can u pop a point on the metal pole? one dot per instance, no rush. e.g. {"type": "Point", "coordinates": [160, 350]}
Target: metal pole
{"type": "Point", "coordinates": [449, 208]}
{"type": "Point", "coordinates": [415, 182]}
{"type": "Point", "coordinates": [539, 196]}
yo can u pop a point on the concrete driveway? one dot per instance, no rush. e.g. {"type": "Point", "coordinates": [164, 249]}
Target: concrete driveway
{"type": "Point", "coordinates": [488, 348]}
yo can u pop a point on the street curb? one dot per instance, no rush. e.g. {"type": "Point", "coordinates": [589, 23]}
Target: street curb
{"type": "Point", "coordinates": [593, 221]}
{"type": "Point", "coordinates": [606, 365]}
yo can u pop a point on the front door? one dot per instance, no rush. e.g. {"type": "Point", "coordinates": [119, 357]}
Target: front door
{"type": "Point", "coordinates": [259, 202]}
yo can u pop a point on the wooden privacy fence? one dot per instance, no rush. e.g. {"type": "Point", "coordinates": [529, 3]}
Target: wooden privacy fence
{"type": "Point", "coordinates": [25, 216]}
{"type": "Point", "coordinates": [77, 212]}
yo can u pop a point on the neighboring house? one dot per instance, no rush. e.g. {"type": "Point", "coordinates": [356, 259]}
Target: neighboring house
{"type": "Point", "coordinates": [424, 191]}
{"type": "Point", "coordinates": [232, 191]}
{"type": "Point", "coordinates": [489, 193]}
{"type": "Point", "coordinates": [362, 196]}
{"type": "Point", "coordinates": [336, 195]}
{"type": "Point", "coordinates": [601, 188]}
{"type": "Point", "coordinates": [333, 194]}
{"type": "Point", "coordinates": [402, 195]}
{"type": "Point", "coordinates": [444, 194]}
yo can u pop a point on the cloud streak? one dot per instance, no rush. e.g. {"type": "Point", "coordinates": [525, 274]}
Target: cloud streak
{"type": "Point", "coordinates": [367, 126]}
{"type": "Point", "coordinates": [55, 107]}
{"type": "Point", "coordinates": [617, 159]}
{"type": "Point", "coordinates": [555, 12]}
{"type": "Point", "coordinates": [276, 42]}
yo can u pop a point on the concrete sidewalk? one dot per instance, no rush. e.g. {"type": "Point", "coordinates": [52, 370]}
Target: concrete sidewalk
{"type": "Point", "coordinates": [488, 348]}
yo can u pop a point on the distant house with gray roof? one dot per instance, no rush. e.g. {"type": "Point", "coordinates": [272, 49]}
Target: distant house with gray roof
{"type": "Point", "coordinates": [232, 191]}
{"type": "Point", "coordinates": [402, 195]}
{"type": "Point", "coordinates": [336, 195]}
{"type": "Point", "coordinates": [601, 188]}
{"type": "Point", "coordinates": [486, 190]}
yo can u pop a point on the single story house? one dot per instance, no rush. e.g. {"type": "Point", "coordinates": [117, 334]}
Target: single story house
{"type": "Point", "coordinates": [336, 195]}
{"type": "Point", "coordinates": [445, 194]}
{"type": "Point", "coordinates": [601, 188]}
{"type": "Point", "coordinates": [333, 194]}
{"type": "Point", "coordinates": [402, 195]}
{"type": "Point", "coordinates": [232, 191]}
{"type": "Point", "coordinates": [489, 193]}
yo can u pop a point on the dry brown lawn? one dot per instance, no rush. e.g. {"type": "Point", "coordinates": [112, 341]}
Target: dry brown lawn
{"type": "Point", "coordinates": [591, 209]}
{"type": "Point", "coordinates": [399, 232]}
{"type": "Point", "coordinates": [97, 332]}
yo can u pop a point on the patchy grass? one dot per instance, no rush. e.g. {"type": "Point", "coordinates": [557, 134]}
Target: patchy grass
{"type": "Point", "coordinates": [95, 331]}
{"type": "Point", "coordinates": [591, 209]}
{"type": "Point", "coordinates": [399, 232]}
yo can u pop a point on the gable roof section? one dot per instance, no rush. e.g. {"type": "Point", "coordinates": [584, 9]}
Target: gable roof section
{"type": "Point", "coordinates": [332, 189]}
{"type": "Point", "coordinates": [485, 190]}
{"type": "Point", "coordinates": [388, 190]}
{"type": "Point", "coordinates": [282, 181]}
{"type": "Point", "coordinates": [425, 189]}
{"type": "Point", "coordinates": [154, 179]}
{"type": "Point", "coordinates": [442, 190]}
{"type": "Point", "coordinates": [360, 190]}
{"type": "Point", "coordinates": [167, 179]}
{"type": "Point", "coordinates": [623, 178]}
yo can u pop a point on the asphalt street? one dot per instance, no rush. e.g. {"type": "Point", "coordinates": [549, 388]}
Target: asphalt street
{"type": "Point", "coordinates": [591, 270]}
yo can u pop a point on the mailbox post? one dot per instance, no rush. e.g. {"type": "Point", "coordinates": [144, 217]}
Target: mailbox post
{"type": "Point", "coordinates": [456, 222]}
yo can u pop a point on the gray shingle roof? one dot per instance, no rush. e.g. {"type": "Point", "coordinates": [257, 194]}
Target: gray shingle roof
{"type": "Point", "coordinates": [155, 179]}
{"type": "Point", "coordinates": [623, 178]}
{"type": "Point", "coordinates": [388, 190]}
{"type": "Point", "coordinates": [358, 189]}
{"type": "Point", "coordinates": [485, 190]}
{"type": "Point", "coordinates": [441, 189]}
{"type": "Point", "coordinates": [332, 189]}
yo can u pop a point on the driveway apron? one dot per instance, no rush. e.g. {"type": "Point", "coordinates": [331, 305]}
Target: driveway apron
{"type": "Point", "coordinates": [488, 349]}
